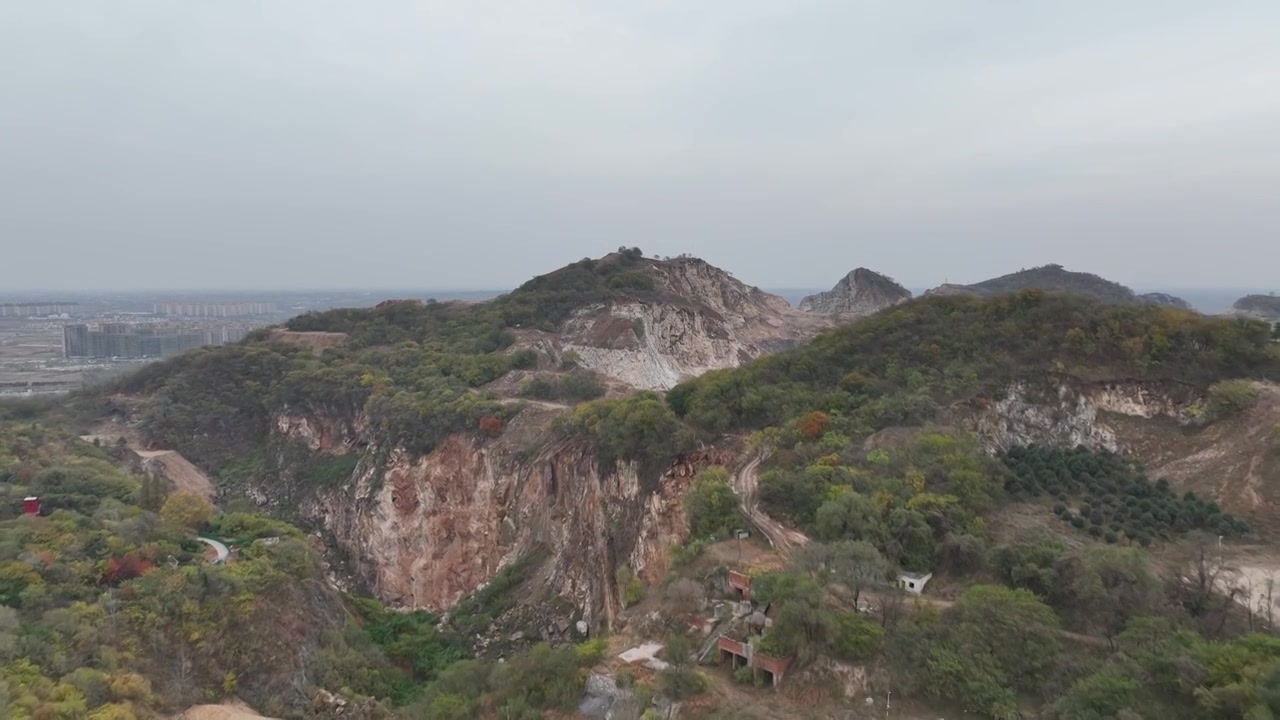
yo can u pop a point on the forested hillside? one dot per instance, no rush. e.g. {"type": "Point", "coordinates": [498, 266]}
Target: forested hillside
{"type": "Point", "coordinates": [901, 366]}
{"type": "Point", "coordinates": [856, 449]}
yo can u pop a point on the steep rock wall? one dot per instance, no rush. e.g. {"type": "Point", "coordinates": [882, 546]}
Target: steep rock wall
{"type": "Point", "coordinates": [423, 531]}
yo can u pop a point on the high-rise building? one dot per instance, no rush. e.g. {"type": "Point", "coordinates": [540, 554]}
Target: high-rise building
{"type": "Point", "coordinates": [123, 340]}
{"type": "Point", "coordinates": [75, 341]}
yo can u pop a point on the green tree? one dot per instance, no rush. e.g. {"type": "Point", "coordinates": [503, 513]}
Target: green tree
{"type": "Point", "coordinates": [803, 625]}
{"type": "Point", "coordinates": [855, 638]}
{"type": "Point", "coordinates": [1105, 694]}
{"type": "Point", "coordinates": [712, 506]}
{"type": "Point", "coordinates": [858, 566]}
{"type": "Point", "coordinates": [1104, 587]}
{"type": "Point", "coordinates": [852, 516]}
{"type": "Point", "coordinates": [1014, 626]}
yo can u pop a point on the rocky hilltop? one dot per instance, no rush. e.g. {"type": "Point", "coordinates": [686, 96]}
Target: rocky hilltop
{"type": "Point", "coordinates": [1266, 307]}
{"type": "Point", "coordinates": [860, 293]}
{"type": "Point", "coordinates": [688, 317]}
{"type": "Point", "coordinates": [1056, 278]}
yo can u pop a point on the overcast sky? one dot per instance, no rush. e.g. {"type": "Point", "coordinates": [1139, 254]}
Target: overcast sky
{"type": "Point", "coordinates": [474, 143]}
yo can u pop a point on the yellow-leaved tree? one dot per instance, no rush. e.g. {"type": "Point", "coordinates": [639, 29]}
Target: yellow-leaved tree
{"type": "Point", "coordinates": [187, 510]}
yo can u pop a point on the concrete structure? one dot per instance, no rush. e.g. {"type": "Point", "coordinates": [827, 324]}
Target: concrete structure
{"type": "Point", "coordinates": [740, 584]}
{"type": "Point", "coordinates": [744, 654]}
{"type": "Point", "coordinates": [913, 582]}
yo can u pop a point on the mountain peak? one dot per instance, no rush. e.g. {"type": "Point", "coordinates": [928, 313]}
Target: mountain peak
{"type": "Point", "coordinates": [862, 292]}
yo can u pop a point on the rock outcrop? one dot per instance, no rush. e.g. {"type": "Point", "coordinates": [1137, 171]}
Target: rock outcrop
{"type": "Point", "coordinates": [700, 318]}
{"type": "Point", "coordinates": [1065, 412]}
{"type": "Point", "coordinates": [860, 293]}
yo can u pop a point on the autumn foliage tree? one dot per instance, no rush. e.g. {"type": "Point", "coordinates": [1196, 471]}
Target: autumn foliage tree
{"type": "Point", "coordinates": [187, 510]}
{"type": "Point", "coordinates": [124, 567]}
{"type": "Point", "coordinates": [491, 426]}
{"type": "Point", "coordinates": [812, 425]}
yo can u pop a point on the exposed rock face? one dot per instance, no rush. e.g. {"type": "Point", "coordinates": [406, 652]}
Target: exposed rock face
{"type": "Point", "coordinates": [703, 319]}
{"type": "Point", "coordinates": [860, 293]}
{"type": "Point", "coordinates": [1266, 307]}
{"type": "Point", "coordinates": [423, 531]}
{"type": "Point", "coordinates": [325, 433]}
{"type": "Point", "coordinates": [1063, 412]}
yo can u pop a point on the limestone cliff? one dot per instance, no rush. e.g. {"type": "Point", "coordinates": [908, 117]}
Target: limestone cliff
{"type": "Point", "coordinates": [860, 293]}
{"type": "Point", "coordinates": [1066, 412]}
{"type": "Point", "coordinates": [700, 318]}
{"type": "Point", "coordinates": [421, 531]}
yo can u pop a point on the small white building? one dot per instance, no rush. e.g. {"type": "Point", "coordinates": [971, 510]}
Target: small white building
{"type": "Point", "coordinates": [913, 582]}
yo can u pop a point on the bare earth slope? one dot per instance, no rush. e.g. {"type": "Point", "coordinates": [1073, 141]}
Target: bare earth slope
{"type": "Point", "coordinates": [1235, 461]}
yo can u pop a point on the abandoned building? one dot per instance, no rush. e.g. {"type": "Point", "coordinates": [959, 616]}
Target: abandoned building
{"type": "Point", "coordinates": [739, 585]}
{"type": "Point", "coordinates": [741, 653]}
{"type": "Point", "coordinates": [913, 582]}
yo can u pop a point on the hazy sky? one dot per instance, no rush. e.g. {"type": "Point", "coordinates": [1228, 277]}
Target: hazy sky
{"type": "Point", "coordinates": [474, 143]}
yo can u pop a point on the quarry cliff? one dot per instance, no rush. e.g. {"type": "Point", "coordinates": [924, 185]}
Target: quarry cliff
{"type": "Point", "coordinates": [695, 318]}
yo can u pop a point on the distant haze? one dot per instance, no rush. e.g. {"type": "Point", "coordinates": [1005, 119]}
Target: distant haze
{"type": "Point", "coordinates": [301, 144]}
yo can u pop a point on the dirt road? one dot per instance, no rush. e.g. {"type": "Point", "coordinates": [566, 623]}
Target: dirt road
{"type": "Point", "coordinates": [745, 483]}
{"type": "Point", "coordinates": [170, 464]}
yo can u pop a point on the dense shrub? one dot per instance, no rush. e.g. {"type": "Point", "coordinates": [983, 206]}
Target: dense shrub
{"type": "Point", "coordinates": [575, 387]}
{"type": "Point", "coordinates": [1228, 398]}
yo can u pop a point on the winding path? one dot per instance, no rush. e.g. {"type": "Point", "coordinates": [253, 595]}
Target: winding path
{"type": "Point", "coordinates": [780, 537]}
{"type": "Point", "coordinates": [222, 550]}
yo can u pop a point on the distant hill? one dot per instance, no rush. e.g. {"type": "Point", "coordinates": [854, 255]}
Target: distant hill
{"type": "Point", "coordinates": [1055, 278]}
{"type": "Point", "coordinates": [1262, 306]}
{"type": "Point", "coordinates": [858, 294]}
{"type": "Point", "coordinates": [1158, 298]}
